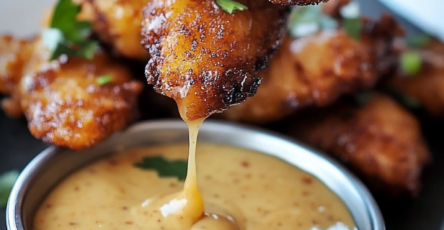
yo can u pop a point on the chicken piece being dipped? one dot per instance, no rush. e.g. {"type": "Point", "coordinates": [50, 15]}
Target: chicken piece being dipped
{"type": "Point", "coordinates": [317, 69]}
{"type": "Point", "coordinates": [380, 140]}
{"type": "Point", "coordinates": [205, 58]}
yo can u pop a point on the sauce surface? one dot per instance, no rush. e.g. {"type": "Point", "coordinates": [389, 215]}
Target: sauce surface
{"type": "Point", "coordinates": [242, 189]}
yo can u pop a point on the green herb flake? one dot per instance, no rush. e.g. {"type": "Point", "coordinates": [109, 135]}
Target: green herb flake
{"type": "Point", "coordinates": [7, 181]}
{"type": "Point", "coordinates": [105, 79]}
{"type": "Point", "coordinates": [411, 62]}
{"type": "Point", "coordinates": [230, 6]}
{"type": "Point", "coordinates": [351, 20]}
{"type": "Point", "coordinates": [419, 41]}
{"type": "Point", "coordinates": [406, 100]}
{"type": "Point", "coordinates": [364, 97]}
{"type": "Point", "coordinates": [164, 167]}
{"type": "Point", "coordinates": [410, 102]}
{"type": "Point", "coordinates": [307, 20]}
{"type": "Point", "coordinates": [87, 49]}
{"type": "Point", "coordinates": [353, 27]}
{"type": "Point", "coordinates": [67, 35]}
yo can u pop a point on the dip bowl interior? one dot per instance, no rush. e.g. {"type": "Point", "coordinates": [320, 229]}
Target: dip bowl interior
{"type": "Point", "coordinates": [51, 166]}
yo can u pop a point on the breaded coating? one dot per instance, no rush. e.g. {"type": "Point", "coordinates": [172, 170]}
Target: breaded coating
{"type": "Point", "coordinates": [381, 141]}
{"type": "Point", "coordinates": [118, 24]}
{"type": "Point", "coordinates": [427, 86]}
{"type": "Point", "coordinates": [64, 104]}
{"type": "Point", "coordinates": [205, 58]}
{"type": "Point", "coordinates": [298, 2]}
{"type": "Point", "coordinates": [18, 57]}
{"type": "Point", "coordinates": [317, 69]}
{"type": "Point", "coordinates": [14, 56]}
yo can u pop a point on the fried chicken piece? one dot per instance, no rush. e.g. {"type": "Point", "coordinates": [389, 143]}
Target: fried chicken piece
{"type": "Point", "coordinates": [118, 24]}
{"type": "Point", "coordinates": [317, 70]}
{"type": "Point", "coordinates": [18, 57]}
{"type": "Point", "coordinates": [205, 58]}
{"type": "Point", "coordinates": [65, 105]}
{"type": "Point", "coordinates": [14, 56]}
{"type": "Point", "coordinates": [428, 85]}
{"type": "Point", "coordinates": [381, 141]}
{"type": "Point", "coordinates": [298, 2]}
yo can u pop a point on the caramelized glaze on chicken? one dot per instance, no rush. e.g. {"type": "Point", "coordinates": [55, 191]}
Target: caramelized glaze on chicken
{"type": "Point", "coordinates": [63, 102]}
{"type": "Point", "coordinates": [428, 85]}
{"type": "Point", "coordinates": [205, 58]}
{"type": "Point", "coordinates": [318, 69]}
{"type": "Point", "coordinates": [118, 24]}
{"type": "Point", "coordinates": [381, 141]}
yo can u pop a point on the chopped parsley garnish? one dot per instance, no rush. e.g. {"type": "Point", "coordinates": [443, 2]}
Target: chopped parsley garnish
{"type": "Point", "coordinates": [164, 167]}
{"type": "Point", "coordinates": [308, 20]}
{"type": "Point", "coordinates": [105, 79]}
{"type": "Point", "coordinates": [419, 41]}
{"type": "Point", "coordinates": [67, 35]}
{"type": "Point", "coordinates": [351, 20]}
{"type": "Point", "coordinates": [410, 62]}
{"type": "Point", "coordinates": [7, 181]}
{"type": "Point", "coordinates": [353, 27]}
{"type": "Point", "coordinates": [230, 6]}
{"type": "Point", "coordinates": [409, 101]}
{"type": "Point", "coordinates": [404, 99]}
{"type": "Point", "coordinates": [362, 98]}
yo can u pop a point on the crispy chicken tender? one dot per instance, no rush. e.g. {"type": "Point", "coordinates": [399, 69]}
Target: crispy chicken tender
{"type": "Point", "coordinates": [14, 57]}
{"type": "Point", "coordinates": [18, 57]}
{"type": "Point", "coordinates": [298, 2]}
{"type": "Point", "coordinates": [205, 58]}
{"type": "Point", "coordinates": [317, 70]}
{"type": "Point", "coordinates": [65, 105]}
{"type": "Point", "coordinates": [380, 140]}
{"type": "Point", "coordinates": [117, 23]}
{"type": "Point", "coordinates": [428, 85]}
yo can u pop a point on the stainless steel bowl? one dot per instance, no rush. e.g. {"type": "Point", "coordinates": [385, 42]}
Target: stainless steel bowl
{"type": "Point", "coordinates": [54, 164]}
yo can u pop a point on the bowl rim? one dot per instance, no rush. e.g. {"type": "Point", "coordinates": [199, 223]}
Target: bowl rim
{"type": "Point", "coordinates": [18, 193]}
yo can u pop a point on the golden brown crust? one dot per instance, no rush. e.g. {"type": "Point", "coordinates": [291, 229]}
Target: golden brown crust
{"type": "Point", "coordinates": [18, 57]}
{"type": "Point", "coordinates": [428, 85]}
{"type": "Point", "coordinates": [311, 70]}
{"type": "Point", "coordinates": [317, 70]}
{"type": "Point", "coordinates": [14, 55]}
{"type": "Point", "coordinates": [381, 141]}
{"type": "Point", "coordinates": [62, 101]}
{"type": "Point", "coordinates": [118, 24]}
{"type": "Point", "coordinates": [298, 2]}
{"type": "Point", "coordinates": [64, 104]}
{"type": "Point", "coordinates": [205, 58]}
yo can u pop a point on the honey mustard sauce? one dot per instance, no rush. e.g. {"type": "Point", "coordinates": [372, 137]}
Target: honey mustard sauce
{"type": "Point", "coordinates": [242, 189]}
